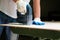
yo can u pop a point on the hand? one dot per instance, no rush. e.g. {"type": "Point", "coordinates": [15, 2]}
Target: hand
{"type": "Point", "coordinates": [21, 7]}
{"type": "Point", "coordinates": [37, 21]}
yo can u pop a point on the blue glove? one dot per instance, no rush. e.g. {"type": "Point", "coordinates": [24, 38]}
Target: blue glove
{"type": "Point", "coordinates": [37, 21]}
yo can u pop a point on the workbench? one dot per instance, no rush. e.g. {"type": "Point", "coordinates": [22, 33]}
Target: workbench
{"type": "Point", "coordinates": [49, 30]}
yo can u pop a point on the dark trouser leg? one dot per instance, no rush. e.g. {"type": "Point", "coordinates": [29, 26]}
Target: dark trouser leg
{"type": "Point", "coordinates": [4, 19]}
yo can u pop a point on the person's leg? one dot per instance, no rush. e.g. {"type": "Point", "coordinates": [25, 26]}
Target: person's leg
{"type": "Point", "coordinates": [9, 33]}
{"type": "Point", "coordinates": [1, 22]}
{"type": "Point", "coordinates": [4, 19]}
{"type": "Point", "coordinates": [1, 28]}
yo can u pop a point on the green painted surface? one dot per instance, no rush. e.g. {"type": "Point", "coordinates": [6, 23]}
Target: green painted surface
{"type": "Point", "coordinates": [37, 32]}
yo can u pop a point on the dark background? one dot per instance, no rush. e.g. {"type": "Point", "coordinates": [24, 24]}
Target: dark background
{"type": "Point", "coordinates": [50, 10]}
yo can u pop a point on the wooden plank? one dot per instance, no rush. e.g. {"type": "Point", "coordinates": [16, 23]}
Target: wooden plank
{"type": "Point", "coordinates": [49, 30]}
{"type": "Point", "coordinates": [48, 26]}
